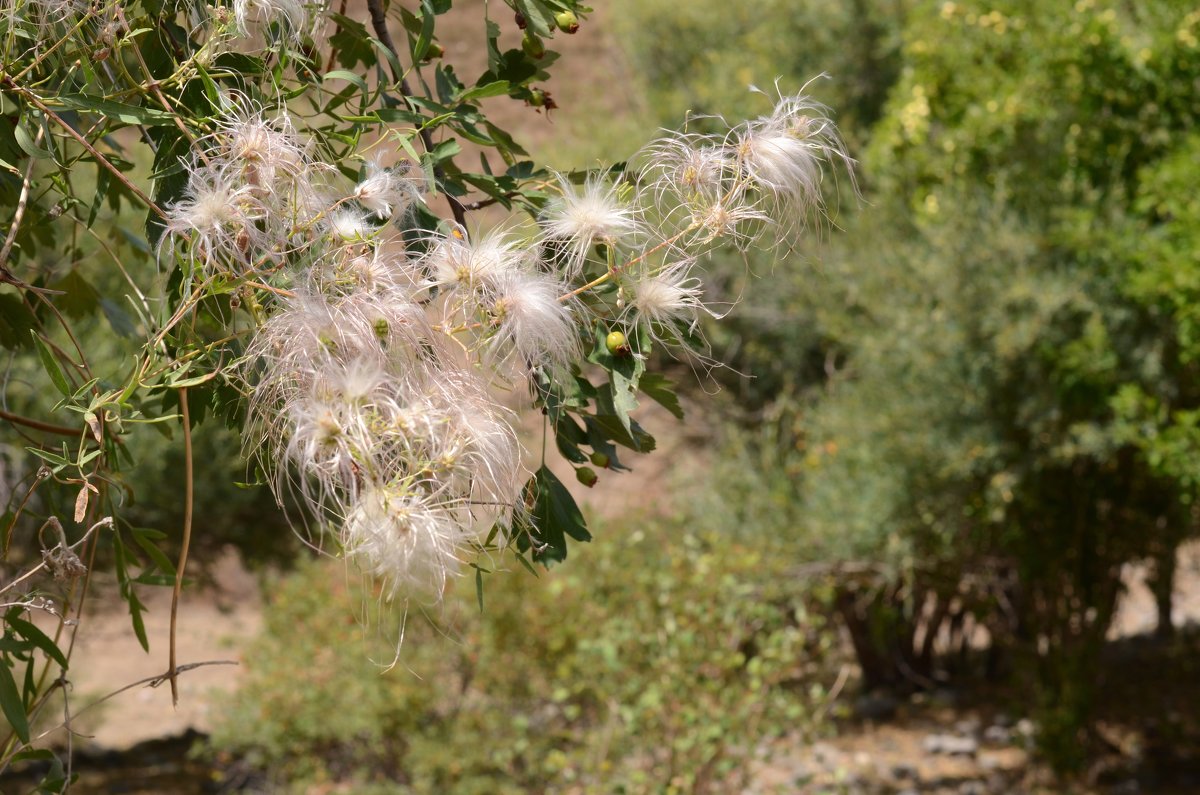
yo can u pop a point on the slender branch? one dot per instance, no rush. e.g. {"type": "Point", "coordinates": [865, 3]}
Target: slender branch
{"type": "Point", "coordinates": [22, 202]}
{"type": "Point", "coordinates": [41, 475]}
{"type": "Point", "coordinates": [172, 669]}
{"type": "Point", "coordinates": [379, 23]}
{"type": "Point", "coordinates": [106, 522]}
{"type": "Point", "coordinates": [151, 681]}
{"type": "Point", "coordinates": [488, 202]}
{"type": "Point", "coordinates": [38, 425]}
{"type": "Point", "coordinates": [101, 159]}
{"type": "Point", "coordinates": [613, 271]}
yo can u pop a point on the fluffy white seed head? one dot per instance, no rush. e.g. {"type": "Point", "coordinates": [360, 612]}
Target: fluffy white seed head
{"type": "Point", "coordinates": [350, 225]}
{"type": "Point", "coordinates": [786, 154]}
{"type": "Point", "coordinates": [684, 169]}
{"type": "Point", "coordinates": [530, 323]}
{"type": "Point", "coordinates": [581, 217]}
{"type": "Point", "coordinates": [667, 296]}
{"type": "Point", "coordinates": [479, 265]}
{"type": "Point", "coordinates": [266, 152]}
{"type": "Point", "coordinates": [398, 536]}
{"type": "Point", "coordinates": [252, 16]}
{"type": "Point", "coordinates": [385, 191]}
{"type": "Point", "coordinates": [217, 216]}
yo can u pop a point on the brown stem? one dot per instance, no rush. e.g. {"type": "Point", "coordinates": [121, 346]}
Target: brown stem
{"type": "Point", "coordinates": [379, 23]}
{"type": "Point", "coordinates": [172, 669]}
{"type": "Point", "coordinates": [38, 425]}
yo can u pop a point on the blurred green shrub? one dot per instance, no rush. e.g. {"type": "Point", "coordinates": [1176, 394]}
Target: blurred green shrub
{"type": "Point", "coordinates": [992, 374]}
{"type": "Point", "coordinates": [659, 666]}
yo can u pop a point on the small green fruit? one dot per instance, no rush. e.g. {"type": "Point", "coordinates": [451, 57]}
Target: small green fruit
{"type": "Point", "coordinates": [533, 46]}
{"type": "Point", "coordinates": [587, 476]}
{"type": "Point", "coordinates": [434, 50]}
{"type": "Point", "coordinates": [567, 21]}
{"type": "Point", "coordinates": [601, 460]}
{"type": "Point", "coordinates": [616, 343]}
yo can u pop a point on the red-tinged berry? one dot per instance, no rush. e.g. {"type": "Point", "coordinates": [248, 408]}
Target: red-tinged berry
{"type": "Point", "coordinates": [587, 476]}
{"type": "Point", "coordinates": [617, 344]}
{"type": "Point", "coordinates": [540, 98]}
{"type": "Point", "coordinates": [567, 21]}
{"type": "Point", "coordinates": [520, 20]}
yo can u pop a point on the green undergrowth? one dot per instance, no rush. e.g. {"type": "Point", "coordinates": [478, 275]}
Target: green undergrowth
{"type": "Point", "coordinates": [657, 662]}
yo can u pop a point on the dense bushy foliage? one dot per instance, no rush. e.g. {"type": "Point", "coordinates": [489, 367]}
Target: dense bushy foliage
{"type": "Point", "coordinates": [992, 404]}
{"type": "Point", "coordinates": [688, 652]}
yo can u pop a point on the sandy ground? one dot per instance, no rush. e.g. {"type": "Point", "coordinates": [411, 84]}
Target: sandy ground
{"type": "Point", "coordinates": [214, 624]}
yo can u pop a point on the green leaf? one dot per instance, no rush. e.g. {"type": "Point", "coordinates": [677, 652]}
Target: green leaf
{"type": "Point", "coordinates": [16, 322]}
{"type": "Point", "coordinates": [661, 390]}
{"type": "Point", "coordinates": [57, 462]}
{"type": "Point", "coordinates": [143, 539]}
{"type": "Point", "coordinates": [554, 517]}
{"type": "Point", "coordinates": [79, 297]}
{"type": "Point", "coordinates": [51, 365]}
{"type": "Point", "coordinates": [350, 77]}
{"type": "Point", "coordinates": [118, 319]}
{"type": "Point", "coordinates": [399, 116]}
{"type": "Point", "coordinates": [494, 89]}
{"type": "Point", "coordinates": [26, 142]}
{"type": "Point", "coordinates": [128, 114]}
{"type": "Point", "coordinates": [537, 16]}
{"type": "Point", "coordinates": [353, 42]}
{"type": "Point", "coordinates": [444, 151]}
{"type": "Point", "coordinates": [38, 638]}
{"type": "Point", "coordinates": [425, 37]}
{"type": "Point", "coordinates": [623, 392]}
{"type": "Point", "coordinates": [170, 177]}
{"type": "Point", "coordinates": [12, 705]}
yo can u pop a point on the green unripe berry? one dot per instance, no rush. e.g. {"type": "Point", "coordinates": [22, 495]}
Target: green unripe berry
{"type": "Point", "coordinates": [532, 45]}
{"type": "Point", "coordinates": [616, 343]}
{"type": "Point", "coordinates": [601, 460]}
{"type": "Point", "coordinates": [567, 21]}
{"type": "Point", "coordinates": [587, 476]}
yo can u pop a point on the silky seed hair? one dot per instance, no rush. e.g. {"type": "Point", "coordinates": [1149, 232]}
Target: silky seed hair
{"type": "Point", "coordinates": [373, 378]}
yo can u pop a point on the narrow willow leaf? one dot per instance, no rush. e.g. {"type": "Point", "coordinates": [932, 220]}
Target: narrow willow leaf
{"type": "Point", "coordinates": [50, 364]}
{"type": "Point", "coordinates": [31, 633]}
{"type": "Point", "coordinates": [12, 705]}
{"type": "Point", "coordinates": [494, 89]}
{"type": "Point", "coordinates": [128, 114]}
